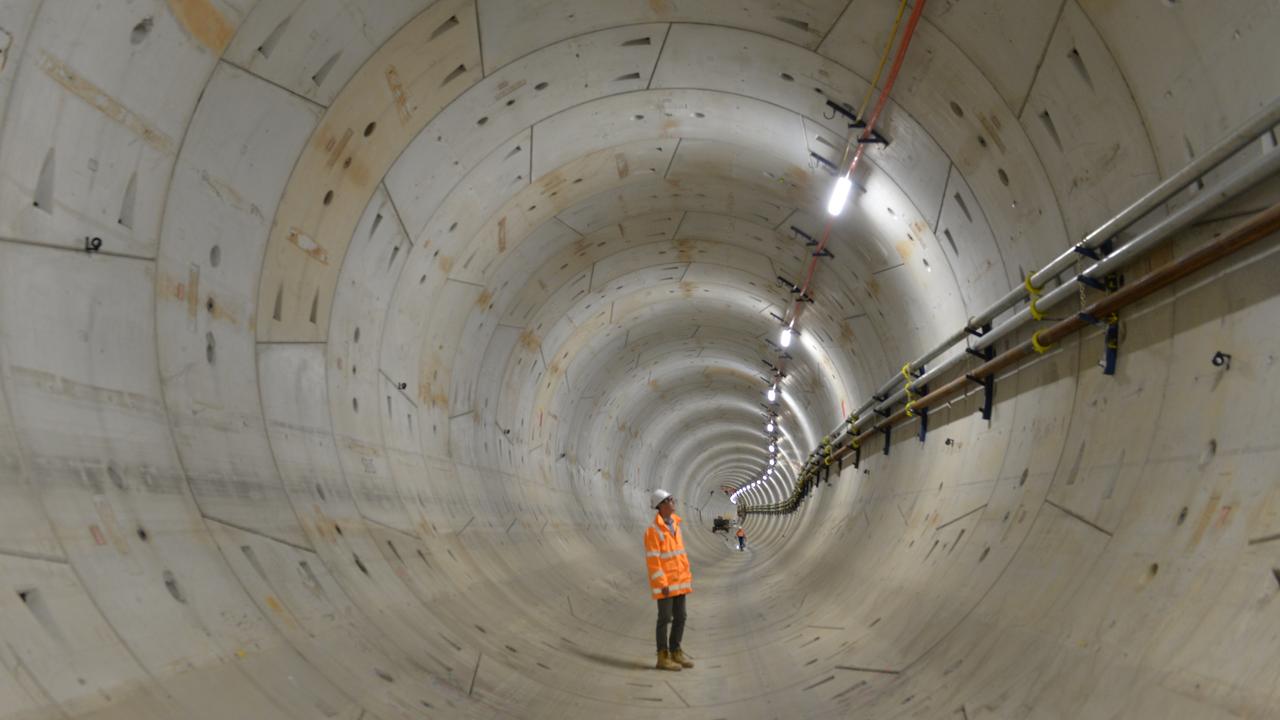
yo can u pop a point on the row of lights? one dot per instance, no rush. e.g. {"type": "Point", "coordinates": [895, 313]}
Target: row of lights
{"type": "Point", "coordinates": [835, 205]}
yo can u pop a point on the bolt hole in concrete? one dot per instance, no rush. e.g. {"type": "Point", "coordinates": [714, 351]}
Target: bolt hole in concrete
{"type": "Point", "coordinates": [1209, 451]}
{"type": "Point", "coordinates": [787, 77]}
{"type": "Point", "coordinates": [955, 108]}
{"type": "Point", "coordinates": [215, 256]}
{"type": "Point", "coordinates": [142, 534]}
{"type": "Point", "coordinates": [541, 86]}
{"type": "Point", "coordinates": [356, 335]}
{"type": "Point", "coordinates": [210, 350]}
{"type": "Point", "coordinates": [328, 197]}
{"type": "Point", "coordinates": [482, 120]}
{"type": "Point", "coordinates": [355, 405]}
{"type": "Point", "coordinates": [141, 30]}
{"type": "Point", "coordinates": [114, 475]}
{"type": "Point", "coordinates": [171, 584]}
{"type": "Point", "coordinates": [1155, 568]}
{"type": "Point", "coordinates": [1004, 177]}
{"type": "Point", "coordinates": [368, 129]}
{"type": "Point", "coordinates": [1182, 516]}
{"type": "Point", "coordinates": [360, 564]}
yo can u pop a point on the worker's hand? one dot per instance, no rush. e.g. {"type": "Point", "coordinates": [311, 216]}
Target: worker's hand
{"type": "Point", "coordinates": [666, 591]}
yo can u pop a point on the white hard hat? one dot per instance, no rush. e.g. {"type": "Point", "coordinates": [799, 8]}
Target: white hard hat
{"type": "Point", "coordinates": [657, 497]}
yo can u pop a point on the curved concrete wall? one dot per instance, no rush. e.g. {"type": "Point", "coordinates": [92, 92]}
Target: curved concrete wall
{"type": "Point", "coordinates": [402, 308]}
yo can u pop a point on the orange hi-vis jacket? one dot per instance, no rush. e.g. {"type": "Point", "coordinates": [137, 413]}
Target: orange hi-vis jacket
{"type": "Point", "coordinates": [742, 533]}
{"type": "Point", "coordinates": [664, 554]}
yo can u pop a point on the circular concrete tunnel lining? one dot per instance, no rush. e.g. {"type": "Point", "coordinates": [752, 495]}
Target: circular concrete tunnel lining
{"type": "Point", "coordinates": [486, 275]}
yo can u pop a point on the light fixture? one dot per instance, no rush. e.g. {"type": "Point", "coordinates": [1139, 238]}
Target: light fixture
{"type": "Point", "coordinates": [839, 195]}
{"type": "Point", "coordinates": [785, 340]}
{"type": "Point", "coordinates": [773, 447]}
{"type": "Point", "coordinates": [772, 395]}
{"type": "Point", "coordinates": [770, 427]}
{"type": "Point", "coordinates": [773, 461]}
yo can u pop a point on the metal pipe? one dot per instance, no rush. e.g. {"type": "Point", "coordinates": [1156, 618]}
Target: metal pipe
{"type": "Point", "coordinates": [1258, 227]}
{"type": "Point", "coordinates": [1260, 123]}
{"type": "Point", "coordinates": [1255, 172]}
{"type": "Point", "coordinates": [1240, 181]}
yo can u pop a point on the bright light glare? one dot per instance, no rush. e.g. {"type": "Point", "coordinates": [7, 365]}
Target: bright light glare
{"type": "Point", "coordinates": [772, 394]}
{"type": "Point", "coordinates": [773, 461]}
{"type": "Point", "coordinates": [839, 195]}
{"type": "Point", "coordinates": [769, 427]}
{"type": "Point", "coordinates": [786, 337]}
{"type": "Point", "coordinates": [773, 447]}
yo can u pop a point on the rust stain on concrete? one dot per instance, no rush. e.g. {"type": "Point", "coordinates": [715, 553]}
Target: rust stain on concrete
{"type": "Point", "coordinates": [904, 249]}
{"type": "Point", "coordinates": [620, 161]}
{"type": "Point", "coordinates": [505, 88]}
{"type": "Point", "coordinates": [502, 235]}
{"type": "Point", "coordinates": [446, 263]}
{"type": "Point", "coordinates": [530, 342]}
{"type": "Point", "coordinates": [336, 149]}
{"type": "Point", "coordinates": [274, 604]}
{"type": "Point", "coordinates": [992, 126]}
{"type": "Point", "coordinates": [687, 288]}
{"type": "Point", "coordinates": [101, 101]}
{"type": "Point", "coordinates": [398, 94]}
{"type": "Point", "coordinates": [484, 299]}
{"type": "Point", "coordinates": [1206, 517]}
{"type": "Point", "coordinates": [203, 21]}
{"type": "Point", "coordinates": [303, 242]}
{"type": "Point", "coordinates": [193, 291]}
{"type": "Point", "coordinates": [107, 515]}
{"type": "Point", "coordinates": [661, 8]}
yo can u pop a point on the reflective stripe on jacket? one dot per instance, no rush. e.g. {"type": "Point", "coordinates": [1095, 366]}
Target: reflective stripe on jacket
{"type": "Point", "coordinates": [666, 559]}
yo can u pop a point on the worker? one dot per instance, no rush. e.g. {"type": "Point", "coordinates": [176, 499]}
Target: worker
{"type": "Point", "coordinates": [669, 579]}
{"type": "Point", "coordinates": [742, 539]}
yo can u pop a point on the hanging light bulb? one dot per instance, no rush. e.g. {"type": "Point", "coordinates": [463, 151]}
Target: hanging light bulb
{"type": "Point", "coordinates": [773, 461]}
{"type": "Point", "coordinates": [772, 394]}
{"type": "Point", "coordinates": [785, 340]}
{"type": "Point", "coordinates": [839, 195]}
{"type": "Point", "coordinates": [773, 447]}
{"type": "Point", "coordinates": [770, 427]}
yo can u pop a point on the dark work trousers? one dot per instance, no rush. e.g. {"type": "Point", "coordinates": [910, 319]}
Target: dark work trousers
{"type": "Point", "coordinates": [670, 612]}
{"type": "Point", "coordinates": [742, 543]}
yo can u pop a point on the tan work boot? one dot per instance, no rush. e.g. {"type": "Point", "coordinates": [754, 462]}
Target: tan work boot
{"type": "Point", "coordinates": [665, 662]}
{"type": "Point", "coordinates": [680, 657]}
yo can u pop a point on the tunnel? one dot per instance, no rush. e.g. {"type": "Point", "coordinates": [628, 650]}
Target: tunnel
{"type": "Point", "coordinates": [343, 343]}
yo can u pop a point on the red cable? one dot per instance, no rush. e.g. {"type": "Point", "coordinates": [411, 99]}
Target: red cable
{"type": "Point", "coordinates": [910, 30]}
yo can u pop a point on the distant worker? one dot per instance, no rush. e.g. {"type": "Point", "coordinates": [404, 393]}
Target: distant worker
{"type": "Point", "coordinates": [742, 539]}
{"type": "Point", "coordinates": [669, 578]}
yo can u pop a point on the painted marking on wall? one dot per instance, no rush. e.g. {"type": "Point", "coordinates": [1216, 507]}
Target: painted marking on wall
{"type": "Point", "coordinates": [101, 101]}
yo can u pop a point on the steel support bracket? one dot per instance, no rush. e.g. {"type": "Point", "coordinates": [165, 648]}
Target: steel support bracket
{"type": "Point", "coordinates": [830, 166]}
{"type": "Point", "coordinates": [888, 438]}
{"type": "Point", "coordinates": [874, 138]}
{"type": "Point", "coordinates": [923, 414]}
{"type": "Point", "coordinates": [808, 239]}
{"type": "Point", "coordinates": [1112, 352]}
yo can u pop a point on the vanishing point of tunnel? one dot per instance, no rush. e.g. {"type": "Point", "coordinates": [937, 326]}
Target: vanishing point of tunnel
{"type": "Point", "coordinates": [349, 350]}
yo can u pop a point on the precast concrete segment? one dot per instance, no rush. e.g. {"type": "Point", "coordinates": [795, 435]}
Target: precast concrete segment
{"type": "Point", "coordinates": [410, 480]}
